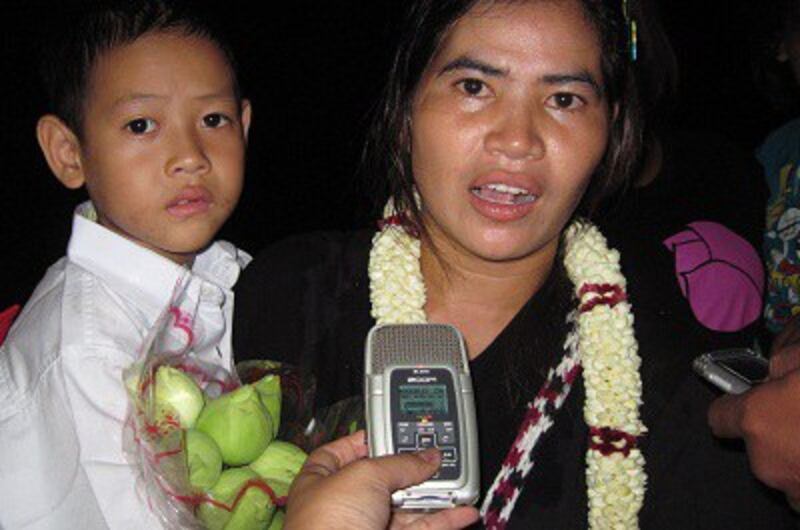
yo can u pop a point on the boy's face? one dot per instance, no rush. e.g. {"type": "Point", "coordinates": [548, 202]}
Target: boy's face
{"type": "Point", "coordinates": [162, 153]}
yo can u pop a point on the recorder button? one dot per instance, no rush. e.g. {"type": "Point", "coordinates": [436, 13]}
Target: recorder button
{"type": "Point", "coordinates": [448, 454]}
{"type": "Point", "coordinates": [446, 433]}
{"type": "Point", "coordinates": [404, 438]}
{"type": "Point", "coordinates": [426, 440]}
{"type": "Point", "coordinates": [446, 438]}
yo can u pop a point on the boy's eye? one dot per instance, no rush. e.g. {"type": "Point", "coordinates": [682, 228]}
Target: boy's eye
{"type": "Point", "coordinates": [473, 87]}
{"type": "Point", "coordinates": [141, 126]}
{"type": "Point", "coordinates": [215, 120]}
{"type": "Point", "coordinates": [565, 100]}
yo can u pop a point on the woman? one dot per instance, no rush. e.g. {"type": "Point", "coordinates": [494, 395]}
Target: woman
{"type": "Point", "coordinates": [501, 120]}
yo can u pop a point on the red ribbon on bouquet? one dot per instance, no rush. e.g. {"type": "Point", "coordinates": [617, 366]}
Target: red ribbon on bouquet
{"type": "Point", "coordinates": [7, 319]}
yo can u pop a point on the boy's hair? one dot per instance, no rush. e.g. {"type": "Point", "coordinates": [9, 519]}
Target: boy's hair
{"type": "Point", "coordinates": [100, 26]}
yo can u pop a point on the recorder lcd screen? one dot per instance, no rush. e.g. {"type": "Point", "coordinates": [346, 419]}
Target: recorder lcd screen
{"type": "Point", "coordinates": [423, 399]}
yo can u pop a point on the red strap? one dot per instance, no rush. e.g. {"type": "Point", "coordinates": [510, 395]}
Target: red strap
{"type": "Point", "coordinates": [6, 319]}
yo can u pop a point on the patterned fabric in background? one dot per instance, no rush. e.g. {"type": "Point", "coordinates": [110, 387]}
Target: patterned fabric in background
{"type": "Point", "coordinates": [780, 155]}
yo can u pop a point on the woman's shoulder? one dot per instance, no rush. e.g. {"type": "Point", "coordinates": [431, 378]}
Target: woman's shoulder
{"type": "Point", "coordinates": [296, 289]}
{"type": "Point", "coordinates": [300, 253]}
{"type": "Point", "coordinates": [286, 272]}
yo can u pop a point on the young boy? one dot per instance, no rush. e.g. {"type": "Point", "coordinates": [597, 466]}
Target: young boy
{"type": "Point", "coordinates": [147, 115]}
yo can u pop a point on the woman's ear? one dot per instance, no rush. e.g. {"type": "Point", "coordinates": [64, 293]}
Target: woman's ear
{"type": "Point", "coordinates": [61, 149]}
{"type": "Point", "coordinates": [246, 117]}
{"type": "Point", "coordinates": [781, 54]}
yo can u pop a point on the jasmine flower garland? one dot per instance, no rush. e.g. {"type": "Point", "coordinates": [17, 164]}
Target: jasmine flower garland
{"type": "Point", "coordinates": [601, 343]}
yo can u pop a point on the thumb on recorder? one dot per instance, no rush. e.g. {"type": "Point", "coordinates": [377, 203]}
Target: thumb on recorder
{"type": "Point", "coordinates": [339, 487]}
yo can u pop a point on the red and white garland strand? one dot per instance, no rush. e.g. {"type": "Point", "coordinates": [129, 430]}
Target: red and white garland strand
{"type": "Point", "coordinates": [601, 342]}
{"type": "Point", "coordinates": [507, 486]}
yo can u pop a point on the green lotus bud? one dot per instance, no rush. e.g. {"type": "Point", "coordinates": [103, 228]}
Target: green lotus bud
{"type": "Point", "coordinates": [240, 425]}
{"type": "Point", "coordinates": [280, 461]}
{"type": "Point", "coordinates": [253, 510]}
{"type": "Point", "coordinates": [269, 390]}
{"type": "Point", "coordinates": [203, 459]}
{"type": "Point", "coordinates": [279, 487]}
{"type": "Point", "coordinates": [177, 395]}
{"type": "Point", "coordinates": [277, 520]}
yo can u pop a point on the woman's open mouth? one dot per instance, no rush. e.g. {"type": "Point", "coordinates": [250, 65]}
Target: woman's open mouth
{"type": "Point", "coordinates": [503, 194]}
{"type": "Point", "coordinates": [502, 202]}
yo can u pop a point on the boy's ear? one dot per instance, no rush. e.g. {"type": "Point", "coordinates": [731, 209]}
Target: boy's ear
{"type": "Point", "coordinates": [61, 149]}
{"type": "Point", "coordinates": [247, 115]}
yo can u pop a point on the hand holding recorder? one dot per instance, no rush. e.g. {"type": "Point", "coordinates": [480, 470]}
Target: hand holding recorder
{"type": "Point", "coordinates": [767, 416]}
{"type": "Point", "coordinates": [418, 394]}
{"type": "Point", "coordinates": [339, 488]}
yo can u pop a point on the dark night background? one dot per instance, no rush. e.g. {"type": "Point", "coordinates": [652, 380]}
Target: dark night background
{"type": "Point", "coordinates": [312, 69]}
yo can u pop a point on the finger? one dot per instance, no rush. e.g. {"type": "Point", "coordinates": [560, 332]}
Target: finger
{"type": "Point", "coordinates": [454, 518]}
{"type": "Point", "coordinates": [337, 454]}
{"type": "Point", "coordinates": [784, 360]}
{"type": "Point", "coordinates": [788, 335]}
{"type": "Point", "coordinates": [725, 416]}
{"type": "Point", "coordinates": [396, 472]}
{"type": "Point", "coordinates": [331, 457]}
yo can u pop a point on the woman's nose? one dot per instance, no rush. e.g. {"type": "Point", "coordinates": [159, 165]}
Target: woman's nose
{"type": "Point", "coordinates": [515, 135]}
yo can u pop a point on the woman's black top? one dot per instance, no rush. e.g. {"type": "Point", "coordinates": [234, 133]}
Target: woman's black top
{"type": "Point", "coordinates": [305, 301]}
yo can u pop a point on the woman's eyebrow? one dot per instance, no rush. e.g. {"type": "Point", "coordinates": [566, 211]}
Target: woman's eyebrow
{"type": "Point", "coordinates": [574, 77]}
{"type": "Point", "coordinates": [466, 62]}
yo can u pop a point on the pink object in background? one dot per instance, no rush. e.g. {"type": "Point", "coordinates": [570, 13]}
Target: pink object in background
{"type": "Point", "coordinates": [720, 274]}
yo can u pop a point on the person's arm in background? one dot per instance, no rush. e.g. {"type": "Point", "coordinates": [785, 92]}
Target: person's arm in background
{"type": "Point", "coordinates": [767, 418]}
{"type": "Point", "coordinates": [339, 487]}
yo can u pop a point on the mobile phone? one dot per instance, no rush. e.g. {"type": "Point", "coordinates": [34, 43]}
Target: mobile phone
{"type": "Point", "coordinates": [734, 370]}
{"type": "Point", "coordinates": [418, 395]}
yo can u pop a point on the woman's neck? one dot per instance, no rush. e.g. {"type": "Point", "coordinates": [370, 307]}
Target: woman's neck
{"type": "Point", "coordinates": [478, 296]}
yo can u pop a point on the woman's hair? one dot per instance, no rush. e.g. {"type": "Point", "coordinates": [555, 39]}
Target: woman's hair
{"type": "Point", "coordinates": [772, 22]}
{"type": "Point", "coordinates": [656, 65]}
{"type": "Point", "coordinates": [387, 153]}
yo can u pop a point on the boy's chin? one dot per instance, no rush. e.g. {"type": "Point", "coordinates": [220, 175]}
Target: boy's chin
{"type": "Point", "coordinates": [182, 254]}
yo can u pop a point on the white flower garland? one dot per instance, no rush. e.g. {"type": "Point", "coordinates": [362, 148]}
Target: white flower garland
{"type": "Point", "coordinates": [607, 347]}
{"type": "Point", "coordinates": [610, 359]}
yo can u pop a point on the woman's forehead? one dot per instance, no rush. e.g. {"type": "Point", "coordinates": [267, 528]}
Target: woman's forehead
{"type": "Point", "coordinates": [533, 31]}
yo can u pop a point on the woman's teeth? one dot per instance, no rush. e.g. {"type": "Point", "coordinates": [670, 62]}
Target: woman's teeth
{"type": "Point", "coordinates": [503, 194]}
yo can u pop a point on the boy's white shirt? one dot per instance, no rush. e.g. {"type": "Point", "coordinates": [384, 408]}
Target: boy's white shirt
{"type": "Point", "coordinates": [62, 400]}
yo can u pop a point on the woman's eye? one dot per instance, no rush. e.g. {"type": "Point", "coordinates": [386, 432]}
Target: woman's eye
{"type": "Point", "coordinates": [565, 100]}
{"type": "Point", "coordinates": [141, 126]}
{"type": "Point", "coordinates": [473, 87]}
{"type": "Point", "coordinates": [215, 120]}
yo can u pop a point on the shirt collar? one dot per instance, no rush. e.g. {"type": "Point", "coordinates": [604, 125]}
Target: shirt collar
{"type": "Point", "coordinates": [146, 278]}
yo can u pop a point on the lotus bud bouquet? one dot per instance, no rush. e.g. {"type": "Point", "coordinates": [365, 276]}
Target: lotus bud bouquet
{"type": "Point", "coordinates": [212, 444]}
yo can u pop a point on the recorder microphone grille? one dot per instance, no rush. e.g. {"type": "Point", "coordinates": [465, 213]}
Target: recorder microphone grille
{"type": "Point", "coordinates": [409, 344]}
